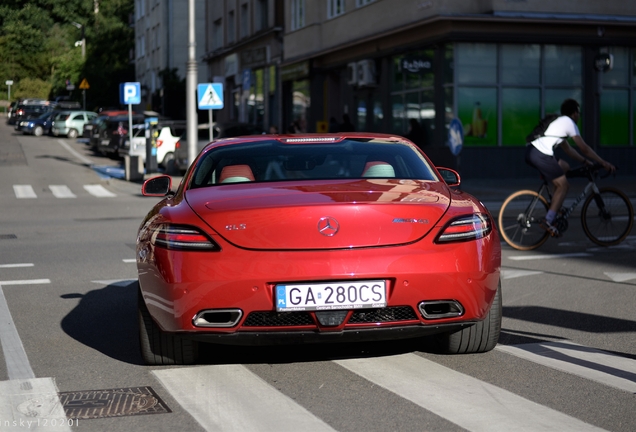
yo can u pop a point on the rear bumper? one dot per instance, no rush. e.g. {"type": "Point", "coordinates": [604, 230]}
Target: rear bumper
{"type": "Point", "coordinates": [314, 337]}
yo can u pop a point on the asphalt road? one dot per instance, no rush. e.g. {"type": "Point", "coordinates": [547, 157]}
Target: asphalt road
{"type": "Point", "coordinates": [566, 358]}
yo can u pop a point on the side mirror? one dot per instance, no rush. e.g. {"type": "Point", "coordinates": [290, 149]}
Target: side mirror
{"type": "Point", "coordinates": [157, 186]}
{"type": "Point", "coordinates": [450, 176]}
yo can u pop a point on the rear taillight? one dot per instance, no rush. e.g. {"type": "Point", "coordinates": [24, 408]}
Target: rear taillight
{"type": "Point", "coordinates": [159, 142]}
{"type": "Point", "coordinates": [464, 228]}
{"type": "Point", "coordinates": [177, 145]}
{"type": "Point", "coordinates": [178, 237]}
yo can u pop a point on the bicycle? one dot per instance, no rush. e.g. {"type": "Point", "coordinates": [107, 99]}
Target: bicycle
{"type": "Point", "coordinates": [607, 215]}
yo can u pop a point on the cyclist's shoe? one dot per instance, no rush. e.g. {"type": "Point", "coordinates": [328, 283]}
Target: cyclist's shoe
{"type": "Point", "coordinates": [551, 229]}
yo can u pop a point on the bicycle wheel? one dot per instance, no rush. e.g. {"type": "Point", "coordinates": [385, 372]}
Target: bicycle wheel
{"type": "Point", "coordinates": [607, 217]}
{"type": "Point", "coordinates": [519, 219]}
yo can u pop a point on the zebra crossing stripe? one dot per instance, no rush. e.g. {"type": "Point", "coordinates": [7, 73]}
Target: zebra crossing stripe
{"type": "Point", "coordinates": [99, 191]}
{"type": "Point", "coordinates": [232, 398]}
{"type": "Point", "coordinates": [24, 191]}
{"type": "Point", "coordinates": [61, 191]}
{"type": "Point", "coordinates": [585, 362]}
{"type": "Point", "coordinates": [466, 401]}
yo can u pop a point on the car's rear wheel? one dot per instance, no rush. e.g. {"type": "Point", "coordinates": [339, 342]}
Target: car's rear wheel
{"type": "Point", "coordinates": [478, 338]}
{"type": "Point", "coordinates": [72, 134]}
{"type": "Point", "coordinates": [161, 348]}
{"type": "Point", "coordinates": [38, 131]}
{"type": "Point", "coordinates": [169, 164]}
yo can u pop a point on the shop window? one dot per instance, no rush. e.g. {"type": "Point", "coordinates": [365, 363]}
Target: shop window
{"type": "Point", "coordinates": [397, 114]}
{"type": "Point", "coordinates": [555, 97]}
{"type": "Point", "coordinates": [522, 108]}
{"type": "Point", "coordinates": [476, 63]}
{"type": "Point", "coordinates": [619, 75]}
{"type": "Point", "coordinates": [562, 65]}
{"type": "Point", "coordinates": [301, 103]}
{"type": "Point", "coordinates": [614, 117]}
{"type": "Point", "coordinates": [520, 64]}
{"type": "Point", "coordinates": [477, 110]}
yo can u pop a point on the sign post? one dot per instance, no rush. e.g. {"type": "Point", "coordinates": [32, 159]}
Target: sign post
{"type": "Point", "coordinates": [210, 97]}
{"type": "Point", "coordinates": [130, 94]}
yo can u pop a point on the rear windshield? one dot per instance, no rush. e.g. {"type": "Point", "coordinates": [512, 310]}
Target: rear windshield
{"type": "Point", "coordinates": [273, 161]}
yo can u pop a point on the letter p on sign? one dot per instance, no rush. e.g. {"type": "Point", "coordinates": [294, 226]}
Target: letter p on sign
{"type": "Point", "coordinates": [130, 93]}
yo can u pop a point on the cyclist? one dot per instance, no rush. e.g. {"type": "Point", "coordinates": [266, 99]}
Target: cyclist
{"type": "Point", "coordinates": [540, 155]}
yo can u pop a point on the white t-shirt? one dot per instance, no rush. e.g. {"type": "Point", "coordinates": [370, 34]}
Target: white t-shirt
{"type": "Point", "coordinates": [562, 127]}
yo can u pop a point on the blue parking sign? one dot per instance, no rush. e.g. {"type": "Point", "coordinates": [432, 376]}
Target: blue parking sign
{"type": "Point", "coordinates": [130, 93]}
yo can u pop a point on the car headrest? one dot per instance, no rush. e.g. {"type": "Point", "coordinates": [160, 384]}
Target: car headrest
{"type": "Point", "coordinates": [236, 173]}
{"type": "Point", "coordinates": [378, 169]}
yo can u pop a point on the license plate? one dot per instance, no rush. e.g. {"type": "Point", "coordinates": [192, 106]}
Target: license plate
{"type": "Point", "coordinates": [331, 296]}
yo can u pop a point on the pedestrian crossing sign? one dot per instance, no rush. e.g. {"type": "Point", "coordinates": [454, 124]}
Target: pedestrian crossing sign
{"type": "Point", "coordinates": [210, 96]}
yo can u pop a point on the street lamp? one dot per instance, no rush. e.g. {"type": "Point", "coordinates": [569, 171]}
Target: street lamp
{"type": "Point", "coordinates": [83, 41]}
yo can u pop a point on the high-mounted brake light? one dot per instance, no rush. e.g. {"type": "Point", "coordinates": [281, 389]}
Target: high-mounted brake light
{"type": "Point", "coordinates": [176, 237]}
{"type": "Point", "coordinates": [317, 139]}
{"type": "Point", "coordinates": [464, 228]}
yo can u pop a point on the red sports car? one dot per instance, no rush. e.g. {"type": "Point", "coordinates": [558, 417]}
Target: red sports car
{"type": "Point", "coordinates": [315, 238]}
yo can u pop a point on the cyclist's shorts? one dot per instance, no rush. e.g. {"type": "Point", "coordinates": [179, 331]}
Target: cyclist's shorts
{"type": "Point", "coordinates": [547, 165]}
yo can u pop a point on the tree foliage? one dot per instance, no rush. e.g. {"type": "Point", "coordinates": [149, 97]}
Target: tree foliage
{"type": "Point", "coordinates": [39, 44]}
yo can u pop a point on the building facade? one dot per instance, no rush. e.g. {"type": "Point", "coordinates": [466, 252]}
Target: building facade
{"type": "Point", "coordinates": [495, 67]}
{"type": "Point", "coordinates": [161, 44]}
{"type": "Point", "coordinates": [244, 42]}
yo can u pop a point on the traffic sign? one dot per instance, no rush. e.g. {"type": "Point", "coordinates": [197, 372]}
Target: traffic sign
{"type": "Point", "coordinates": [210, 96]}
{"type": "Point", "coordinates": [84, 85]}
{"type": "Point", "coordinates": [130, 93]}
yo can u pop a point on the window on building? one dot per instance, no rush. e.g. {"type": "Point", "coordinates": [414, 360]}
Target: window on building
{"type": "Point", "coordinates": [231, 34]}
{"type": "Point", "coordinates": [217, 34]}
{"type": "Point", "coordinates": [615, 98]}
{"type": "Point", "coordinates": [245, 21]}
{"type": "Point", "coordinates": [297, 14]}
{"type": "Point", "coordinates": [261, 14]}
{"type": "Point", "coordinates": [335, 8]}
{"type": "Point", "coordinates": [360, 3]}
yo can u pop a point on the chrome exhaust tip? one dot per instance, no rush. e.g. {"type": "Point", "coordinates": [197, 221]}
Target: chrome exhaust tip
{"type": "Point", "coordinates": [221, 318]}
{"type": "Point", "coordinates": [437, 309]}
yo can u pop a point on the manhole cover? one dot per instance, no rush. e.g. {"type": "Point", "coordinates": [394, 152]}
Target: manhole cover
{"type": "Point", "coordinates": [119, 402]}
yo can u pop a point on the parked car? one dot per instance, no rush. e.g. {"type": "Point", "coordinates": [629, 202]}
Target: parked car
{"type": "Point", "coordinates": [38, 126]}
{"type": "Point", "coordinates": [314, 238]}
{"type": "Point", "coordinates": [111, 133]}
{"type": "Point", "coordinates": [167, 142]}
{"type": "Point", "coordinates": [70, 123]}
{"type": "Point", "coordinates": [219, 130]}
{"type": "Point", "coordinates": [88, 127]}
{"type": "Point", "coordinates": [25, 112]}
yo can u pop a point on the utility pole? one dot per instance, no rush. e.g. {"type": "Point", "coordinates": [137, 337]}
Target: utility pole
{"type": "Point", "coordinates": [83, 41]}
{"type": "Point", "coordinates": [191, 86]}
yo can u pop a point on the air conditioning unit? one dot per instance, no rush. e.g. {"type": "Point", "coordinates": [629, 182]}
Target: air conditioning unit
{"type": "Point", "coordinates": [366, 73]}
{"type": "Point", "coordinates": [352, 73]}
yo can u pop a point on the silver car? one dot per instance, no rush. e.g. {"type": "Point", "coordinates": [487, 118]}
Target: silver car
{"type": "Point", "coordinates": [70, 123]}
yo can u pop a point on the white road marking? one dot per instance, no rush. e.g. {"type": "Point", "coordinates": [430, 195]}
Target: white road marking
{"type": "Point", "coordinates": [232, 398]}
{"type": "Point", "coordinates": [16, 265]}
{"type": "Point", "coordinates": [32, 404]}
{"type": "Point", "coordinates": [99, 191]}
{"type": "Point", "coordinates": [466, 401]}
{"type": "Point", "coordinates": [24, 191]}
{"type": "Point", "coordinates": [26, 282]}
{"type": "Point", "coordinates": [511, 274]}
{"type": "Point", "coordinates": [61, 191]}
{"type": "Point", "coordinates": [585, 362]}
{"type": "Point", "coordinates": [129, 260]}
{"type": "Point", "coordinates": [18, 366]}
{"type": "Point", "coordinates": [540, 257]}
{"type": "Point", "coordinates": [74, 153]}
{"type": "Point", "coordinates": [620, 277]}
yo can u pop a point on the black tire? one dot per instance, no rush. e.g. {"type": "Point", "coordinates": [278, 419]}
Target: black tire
{"type": "Point", "coordinates": [519, 219]}
{"type": "Point", "coordinates": [477, 338]}
{"type": "Point", "coordinates": [168, 164]}
{"type": "Point", "coordinates": [161, 348]}
{"type": "Point", "coordinates": [38, 131]}
{"type": "Point", "coordinates": [72, 134]}
{"type": "Point", "coordinates": [609, 225]}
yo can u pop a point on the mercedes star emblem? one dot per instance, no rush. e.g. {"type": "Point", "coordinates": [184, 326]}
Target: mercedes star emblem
{"type": "Point", "coordinates": [328, 226]}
